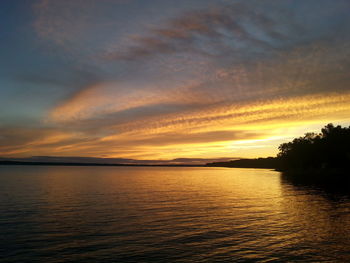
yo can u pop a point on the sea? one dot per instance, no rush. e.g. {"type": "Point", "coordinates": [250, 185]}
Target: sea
{"type": "Point", "coordinates": [168, 214]}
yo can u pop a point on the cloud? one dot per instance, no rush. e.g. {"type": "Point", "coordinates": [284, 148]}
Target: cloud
{"type": "Point", "coordinates": [182, 138]}
{"type": "Point", "coordinates": [207, 32]}
{"type": "Point", "coordinates": [199, 132]}
{"type": "Point", "coordinates": [307, 71]}
{"type": "Point", "coordinates": [244, 29]}
{"type": "Point", "coordinates": [141, 119]}
{"type": "Point", "coordinates": [108, 98]}
{"type": "Point", "coordinates": [192, 84]}
{"type": "Point", "coordinates": [24, 140]}
{"type": "Point", "coordinates": [65, 21]}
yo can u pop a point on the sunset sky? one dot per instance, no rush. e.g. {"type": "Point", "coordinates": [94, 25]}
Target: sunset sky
{"type": "Point", "coordinates": [164, 79]}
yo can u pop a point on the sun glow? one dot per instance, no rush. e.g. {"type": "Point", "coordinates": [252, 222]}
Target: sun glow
{"type": "Point", "coordinates": [210, 80]}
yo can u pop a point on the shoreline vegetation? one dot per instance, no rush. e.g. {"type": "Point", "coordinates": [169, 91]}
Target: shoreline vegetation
{"type": "Point", "coordinates": [313, 157]}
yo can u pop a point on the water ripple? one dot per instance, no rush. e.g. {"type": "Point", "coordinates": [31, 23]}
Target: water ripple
{"type": "Point", "coordinates": [128, 214]}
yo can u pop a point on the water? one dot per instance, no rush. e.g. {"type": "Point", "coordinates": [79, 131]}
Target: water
{"type": "Point", "coordinates": [167, 214]}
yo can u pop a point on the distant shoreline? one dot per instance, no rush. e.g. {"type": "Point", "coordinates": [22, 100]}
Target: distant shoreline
{"type": "Point", "coordinates": [258, 163]}
{"type": "Point", "coordinates": [95, 164]}
{"type": "Point", "coordinates": [220, 165]}
{"type": "Point", "coordinates": [242, 163]}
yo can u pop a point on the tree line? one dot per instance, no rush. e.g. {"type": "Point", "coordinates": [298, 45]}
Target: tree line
{"type": "Point", "coordinates": [329, 149]}
{"type": "Point", "coordinates": [324, 151]}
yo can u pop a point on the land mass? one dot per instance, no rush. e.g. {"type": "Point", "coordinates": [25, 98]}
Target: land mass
{"type": "Point", "coordinates": [329, 149]}
{"type": "Point", "coordinates": [265, 163]}
{"type": "Point", "coordinates": [93, 164]}
{"type": "Point", "coordinates": [316, 157]}
{"type": "Point", "coordinates": [95, 161]}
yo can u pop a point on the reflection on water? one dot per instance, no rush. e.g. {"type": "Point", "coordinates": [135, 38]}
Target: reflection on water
{"type": "Point", "coordinates": [159, 214]}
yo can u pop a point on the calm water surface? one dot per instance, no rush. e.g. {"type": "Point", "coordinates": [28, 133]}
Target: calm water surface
{"type": "Point", "coordinates": [160, 214]}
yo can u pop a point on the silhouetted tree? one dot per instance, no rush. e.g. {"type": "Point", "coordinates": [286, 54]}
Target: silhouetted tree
{"type": "Point", "coordinates": [328, 149]}
{"type": "Point", "coordinates": [326, 152]}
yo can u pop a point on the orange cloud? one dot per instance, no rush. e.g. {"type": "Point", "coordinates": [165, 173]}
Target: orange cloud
{"type": "Point", "coordinates": [209, 82]}
{"type": "Point", "coordinates": [213, 130]}
{"type": "Point", "coordinates": [108, 98]}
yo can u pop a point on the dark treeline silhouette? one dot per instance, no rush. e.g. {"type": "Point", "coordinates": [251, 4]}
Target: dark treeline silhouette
{"type": "Point", "coordinates": [269, 162]}
{"type": "Point", "coordinates": [321, 154]}
{"type": "Point", "coordinates": [321, 158]}
{"type": "Point", "coordinates": [329, 149]}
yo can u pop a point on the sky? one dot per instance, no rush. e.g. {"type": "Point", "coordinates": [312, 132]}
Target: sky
{"type": "Point", "coordinates": [165, 79]}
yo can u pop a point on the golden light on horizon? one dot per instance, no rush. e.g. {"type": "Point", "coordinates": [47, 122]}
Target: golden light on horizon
{"type": "Point", "coordinates": [191, 86]}
{"type": "Point", "coordinates": [251, 130]}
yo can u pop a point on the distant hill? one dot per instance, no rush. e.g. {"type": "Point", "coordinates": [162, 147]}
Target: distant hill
{"type": "Point", "coordinates": [57, 160]}
{"type": "Point", "coordinates": [270, 163]}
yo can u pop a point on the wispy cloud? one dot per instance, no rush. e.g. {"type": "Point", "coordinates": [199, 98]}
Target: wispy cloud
{"type": "Point", "coordinates": [207, 32]}
{"type": "Point", "coordinates": [191, 81]}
